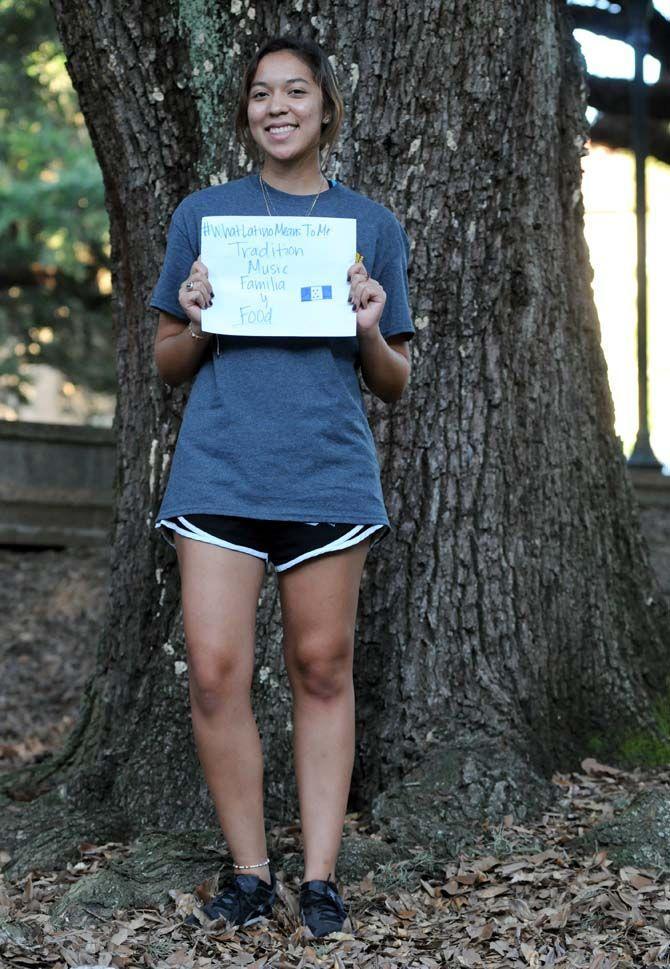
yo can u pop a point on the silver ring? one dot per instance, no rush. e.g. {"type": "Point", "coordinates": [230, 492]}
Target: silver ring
{"type": "Point", "coordinates": [189, 285]}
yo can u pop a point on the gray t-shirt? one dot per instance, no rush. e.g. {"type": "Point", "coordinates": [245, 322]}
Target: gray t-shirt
{"type": "Point", "coordinates": [275, 427]}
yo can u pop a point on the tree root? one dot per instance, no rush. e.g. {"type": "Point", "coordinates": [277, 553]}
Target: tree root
{"type": "Point", "coordinates": [639, 836]}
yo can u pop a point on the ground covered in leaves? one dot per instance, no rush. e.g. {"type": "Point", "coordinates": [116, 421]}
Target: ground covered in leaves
{"type": "Point", "coordinates": [522, 898]}
{"type": "Point", "coordinates": [526, 895]}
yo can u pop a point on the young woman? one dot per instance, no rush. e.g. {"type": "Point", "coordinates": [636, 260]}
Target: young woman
{"type": "Point", "coordinates": [275, 462]}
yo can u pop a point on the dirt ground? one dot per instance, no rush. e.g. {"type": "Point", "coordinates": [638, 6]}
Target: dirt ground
{"type": "Point", "coordinates": [52, 606]}
{"type": "Point", "coordinates": [522, 899]}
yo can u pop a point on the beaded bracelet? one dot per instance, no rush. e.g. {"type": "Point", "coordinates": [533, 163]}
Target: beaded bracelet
{"type": "Point", "coordinates": [261, 865]}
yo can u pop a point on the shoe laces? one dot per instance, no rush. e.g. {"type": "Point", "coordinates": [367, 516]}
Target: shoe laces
{"type": "Point", "coordinates": [326, 903]}
{"type": "Point", "coordinates": [233, 901]}
{"type": "Point", "coordinates": [225, 900]}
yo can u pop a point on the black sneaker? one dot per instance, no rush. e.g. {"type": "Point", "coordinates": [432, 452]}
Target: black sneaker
{"type": "Point", "coordinates": [322, 910]}
{"type": "Point", "coordinates": [246, 900]}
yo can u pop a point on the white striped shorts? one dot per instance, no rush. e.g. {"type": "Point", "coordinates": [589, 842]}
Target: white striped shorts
{"type": "Point", "coordinates": [284, 543]}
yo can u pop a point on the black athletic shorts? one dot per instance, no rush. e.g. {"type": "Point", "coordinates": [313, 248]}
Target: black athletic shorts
{"type": "Point", "coordinates": [284, 543]}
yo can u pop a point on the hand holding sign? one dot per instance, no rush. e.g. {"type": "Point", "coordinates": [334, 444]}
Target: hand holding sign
{"type": "Point", "coordinates": [278, 276]}
{"type": "Point", "coordinates": [367, 297]}
{"type": "Point", "coordinates": [196, 295]}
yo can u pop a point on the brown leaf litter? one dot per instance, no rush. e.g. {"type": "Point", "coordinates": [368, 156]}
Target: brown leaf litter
{"type": "Point", "coordinates": [522, 900]}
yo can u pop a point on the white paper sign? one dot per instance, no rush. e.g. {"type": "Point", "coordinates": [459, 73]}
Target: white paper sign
{"type": "Point", "coordinates": [278, 275]}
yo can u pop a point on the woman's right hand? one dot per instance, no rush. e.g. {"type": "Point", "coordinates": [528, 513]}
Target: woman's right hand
{"type": "Point", "coordinates": [192, 301]}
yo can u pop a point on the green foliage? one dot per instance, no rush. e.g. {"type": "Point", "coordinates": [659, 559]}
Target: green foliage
{"type": "Point", "coordinates": [54, 279]}
{"type": "Point", "coordinates": [646, 749]}
{"type": "Point", "coordinates": [638, 748]}
{"type": "Point", "coordinates": [595, 745]}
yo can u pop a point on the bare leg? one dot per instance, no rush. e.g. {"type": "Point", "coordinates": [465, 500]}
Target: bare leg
{"type": "Point", "coordinates": [319, 600]}
{"type": "Point", "coordinates": [220, 589]}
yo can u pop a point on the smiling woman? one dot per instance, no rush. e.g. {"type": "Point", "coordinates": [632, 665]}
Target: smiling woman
{"type": "Point", "coordinates": [276, 462]}
{"type": "Point", "coordinates": [285, 110]}
{"type": "Point", "coordinates": [289, 101]}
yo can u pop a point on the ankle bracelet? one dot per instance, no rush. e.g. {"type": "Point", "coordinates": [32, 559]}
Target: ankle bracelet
{"type": "Point", "coordinates": [261, 864]}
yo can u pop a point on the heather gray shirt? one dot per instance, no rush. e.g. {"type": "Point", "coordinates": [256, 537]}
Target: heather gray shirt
{"type": "Point", "coordinates": [275, 427]}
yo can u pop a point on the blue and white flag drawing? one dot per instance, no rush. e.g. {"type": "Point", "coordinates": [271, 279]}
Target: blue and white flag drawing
{"type": "Point", "coordinates": [312, 293]}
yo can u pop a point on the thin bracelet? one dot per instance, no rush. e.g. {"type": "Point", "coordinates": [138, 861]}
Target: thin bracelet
{"type": "Point", "coordinates": [261, 865]}
{"type": "Point", "coordinates": [194, 335]}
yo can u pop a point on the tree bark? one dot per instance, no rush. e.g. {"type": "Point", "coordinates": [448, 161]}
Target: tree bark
{"type": "Point", "coordinates": [512, 623]}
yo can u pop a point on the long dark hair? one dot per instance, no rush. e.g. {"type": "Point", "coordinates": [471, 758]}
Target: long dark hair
{"type": "Point", "coordinates": [315, 58]}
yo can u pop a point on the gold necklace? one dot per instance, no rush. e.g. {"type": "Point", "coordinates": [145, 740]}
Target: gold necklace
{"type": "Point", "coordinates": [267, 200]}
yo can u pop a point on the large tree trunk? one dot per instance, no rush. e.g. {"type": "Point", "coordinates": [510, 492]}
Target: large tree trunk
{"type": "Point", "coordinates": [512, 623]}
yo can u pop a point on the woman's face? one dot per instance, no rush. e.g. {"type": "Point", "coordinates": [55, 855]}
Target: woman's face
{"type": "Point", "coordinates": [285, 107]}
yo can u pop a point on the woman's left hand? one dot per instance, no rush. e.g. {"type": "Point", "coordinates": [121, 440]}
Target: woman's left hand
{"type": "Point", "coordinates": [367, 297]}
